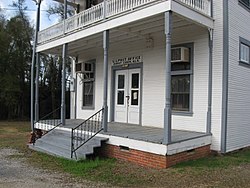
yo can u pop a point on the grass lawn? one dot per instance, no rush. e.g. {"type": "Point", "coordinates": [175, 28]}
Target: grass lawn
{"type": "Point", "coordinates": [231, 170]}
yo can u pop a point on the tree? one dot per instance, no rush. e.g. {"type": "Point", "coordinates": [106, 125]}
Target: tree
{"type": "Point", "coordinates": [16, 49]}
{"type": "Point", "coordinates": [58, 10]}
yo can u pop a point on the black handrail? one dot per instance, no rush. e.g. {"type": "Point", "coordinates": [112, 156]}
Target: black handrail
{"type": "Point", "coordinates": [48, 120]}
{"type": "Point", "coordinates": [45, 117]}
{"type": "Point", "coordinates": [85, 131]}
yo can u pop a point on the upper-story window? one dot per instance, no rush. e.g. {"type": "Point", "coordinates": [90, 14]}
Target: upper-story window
{"type": "Point", "coordinates": [244, 51]}
{"type": "Point", "coordinates": [246, 3]}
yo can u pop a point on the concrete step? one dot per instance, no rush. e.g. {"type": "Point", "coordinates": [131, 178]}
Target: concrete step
{"type": "Point", "coordinates": [87, 149]}
{"type": "Point", "coordinates": [58, 143]}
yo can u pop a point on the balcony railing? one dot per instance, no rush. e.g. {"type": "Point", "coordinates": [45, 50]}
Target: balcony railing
{"type": "Point", "coordinates": [107, 9]}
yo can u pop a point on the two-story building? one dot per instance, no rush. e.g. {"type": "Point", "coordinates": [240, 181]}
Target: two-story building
{"type": "Point", "coordinates": [156, 82]}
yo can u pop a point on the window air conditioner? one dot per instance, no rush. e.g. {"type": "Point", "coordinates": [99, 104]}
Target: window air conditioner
{"type": "Point", "coordinates": [180, 54]}
{"type": "Point", "coordinates": [85, 67]}
{"type": "Point", "coordinates": [78, 67]}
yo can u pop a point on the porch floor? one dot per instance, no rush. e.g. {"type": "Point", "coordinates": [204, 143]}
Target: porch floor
{"type": "Point", "coordinates": [142, 133]}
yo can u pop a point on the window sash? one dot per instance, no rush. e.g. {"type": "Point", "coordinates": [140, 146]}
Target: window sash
{"type": "Point", "coordinates": [88, 94]}
{"type": "Point", "coordinates": [180, 93]}
{"type": "Point", "coordinates": [244, 53]}
{"type": "Point", "coordinates": [88, 86]}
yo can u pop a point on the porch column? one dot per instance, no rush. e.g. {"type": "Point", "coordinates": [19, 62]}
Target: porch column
{"type": "Point", "coordinates": [210, 80]}
{"type": "Point", "coordinates": [37, 87]}
{"type": "Point", "coordinates": [167, 109]}
{"type": "Point", "coordinates": [105, 79]}
{"type": "Point", "coordinates": [38, 2]}
{"type": "Point", "coordinates": [64, 56]}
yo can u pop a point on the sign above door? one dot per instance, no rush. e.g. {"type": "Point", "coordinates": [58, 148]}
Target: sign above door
{"type": "Point", "coordinates": [127, 61]}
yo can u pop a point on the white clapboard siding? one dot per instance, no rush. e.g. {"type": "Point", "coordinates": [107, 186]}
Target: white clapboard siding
{"type": "Point", "coordinates": [154, 77]}
{"type": "Point", "coordinates": [238, 126]}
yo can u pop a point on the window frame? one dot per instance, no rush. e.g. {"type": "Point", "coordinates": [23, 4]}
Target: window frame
{"type": "Point", "coordinates": [247, 7]}
{"type": "Point", "coordinates": [245, 42]}
{"type": "Point", "coordinates": [91, 107]}
{"type": "Point", "coordinates": [185, 72]}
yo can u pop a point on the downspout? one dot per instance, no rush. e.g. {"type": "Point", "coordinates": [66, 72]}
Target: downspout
{"type": "Point", "coordinates": [225, 78]}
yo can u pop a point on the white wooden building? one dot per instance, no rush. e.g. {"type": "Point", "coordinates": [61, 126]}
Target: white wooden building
{"type": "Point", "coordinates": [171, 77]}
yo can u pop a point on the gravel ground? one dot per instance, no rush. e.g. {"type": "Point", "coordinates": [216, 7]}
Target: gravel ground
{"type": "Point", "coordinates": [16, 173]}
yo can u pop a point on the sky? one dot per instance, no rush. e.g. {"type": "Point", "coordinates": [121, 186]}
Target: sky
{"type": "Point", "coordinates": [31, 5]}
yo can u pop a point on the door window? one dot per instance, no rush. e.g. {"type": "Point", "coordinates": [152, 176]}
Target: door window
{"type": "Point", "coordinates": [135, 89]}
{"type": "Point", "coordinates": [120, 90]}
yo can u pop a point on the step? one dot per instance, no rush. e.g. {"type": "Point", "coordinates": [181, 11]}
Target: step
{"type": "Point", "coordinates": [51, 150]}
{"type": "Point", "coordinates": [87, 149]}
{"type": "Point", "coordinates": [62, 141]}
{"type": "Point", "coordinates": [58, 143]}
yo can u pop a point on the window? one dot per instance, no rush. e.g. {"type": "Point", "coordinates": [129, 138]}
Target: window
{"type": "Point", "coordinates": [88, 82]}
{"type": "Point", "coordinates": [246, 3]}
{"type": "Point", "coordinates": [244, 51]}
{"type": "Point", "coordinates": [181, 81]}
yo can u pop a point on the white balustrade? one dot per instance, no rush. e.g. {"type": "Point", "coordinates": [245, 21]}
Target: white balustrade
{"type": "Point", "coordinates": [115, 7]}
{"type": "Point", "coordinates": [50, 33]}
{"type": "Point", "coordinates": [203, 6]}
{"type": "Point", "coordinates": [106, 10]}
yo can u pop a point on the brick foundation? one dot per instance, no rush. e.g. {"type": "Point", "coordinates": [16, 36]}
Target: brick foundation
{"type": "Point", "coordinates": [149, 159]}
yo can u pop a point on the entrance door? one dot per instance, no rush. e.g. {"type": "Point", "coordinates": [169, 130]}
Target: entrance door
{"type": "Point", "coordinates": [127, 96]}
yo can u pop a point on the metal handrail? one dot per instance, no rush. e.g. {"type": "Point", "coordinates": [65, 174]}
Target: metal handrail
{"type": "Point", "coordinates": [49, 121]}
{"type": "Point", "coordinates": [85, 131]}
{"type": "Point", "coordinates": [47, 115]}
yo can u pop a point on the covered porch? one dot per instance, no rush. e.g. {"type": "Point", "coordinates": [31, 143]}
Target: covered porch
{"type": "Point", "coordinates": [137, 144]}
{"type": "Point", "coordinates": [160, 130]}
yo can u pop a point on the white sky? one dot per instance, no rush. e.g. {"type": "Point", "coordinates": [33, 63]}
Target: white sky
{"type": "Point", "coordinates": [31, 5]}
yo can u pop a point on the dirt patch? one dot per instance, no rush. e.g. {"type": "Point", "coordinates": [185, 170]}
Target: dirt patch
{"type": "Point", "coordinates": [16, 173]}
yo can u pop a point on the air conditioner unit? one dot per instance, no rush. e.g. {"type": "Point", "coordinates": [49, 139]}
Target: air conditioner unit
{"type": "Point", "coordinates": [87, 67]}
{"type": "Point", "coordinates": [180, 54]}
{"type": "Point", "coordinates": [78, 67]}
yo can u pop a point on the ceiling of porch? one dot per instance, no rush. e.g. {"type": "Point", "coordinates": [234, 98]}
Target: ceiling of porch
{"type": "Point", "coordinates": [140, 30]}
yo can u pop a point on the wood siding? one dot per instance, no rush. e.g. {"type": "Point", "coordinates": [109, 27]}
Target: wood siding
{"type": "Point", "coordinates": [154, 78]}
{"type": "Point", "coordinates": [238, 127]}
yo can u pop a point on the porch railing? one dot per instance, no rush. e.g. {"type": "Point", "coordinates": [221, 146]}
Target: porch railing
{"type": "Point", "coordinates": [49, 122]}
{"type": "Point", "coordinates": [203, 6]}
{"type": "Point", "coordinates": [52, 32]}
{"type": "Point", "coordinates": [108, 9]}
{"type": "Point", "coordinates": [87, 130]}
{"type": "Point", "coordinates": [84, 18]}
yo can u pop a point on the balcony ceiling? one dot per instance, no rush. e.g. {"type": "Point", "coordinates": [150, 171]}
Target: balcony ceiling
{"type": "Point", "coordinates": [140, 30]}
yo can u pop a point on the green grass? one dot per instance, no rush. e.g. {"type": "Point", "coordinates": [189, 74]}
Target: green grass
{"type": "Point", "coordinates": [102, 170]}
{"type": "Point", "coordinates": [231, 170]}
{"type": "Point", "coordinates": [228, 160]}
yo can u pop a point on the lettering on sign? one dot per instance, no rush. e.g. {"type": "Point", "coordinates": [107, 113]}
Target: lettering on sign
{"type": "Point", "coordinates": [127, 60]}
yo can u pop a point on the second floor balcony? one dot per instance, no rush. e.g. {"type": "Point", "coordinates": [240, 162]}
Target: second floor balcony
{"type": "Point", "coordinates": [111, 9]}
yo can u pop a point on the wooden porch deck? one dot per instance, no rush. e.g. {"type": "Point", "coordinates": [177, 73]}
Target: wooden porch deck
{"type": "Point", "coordinates": [142, 133]}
